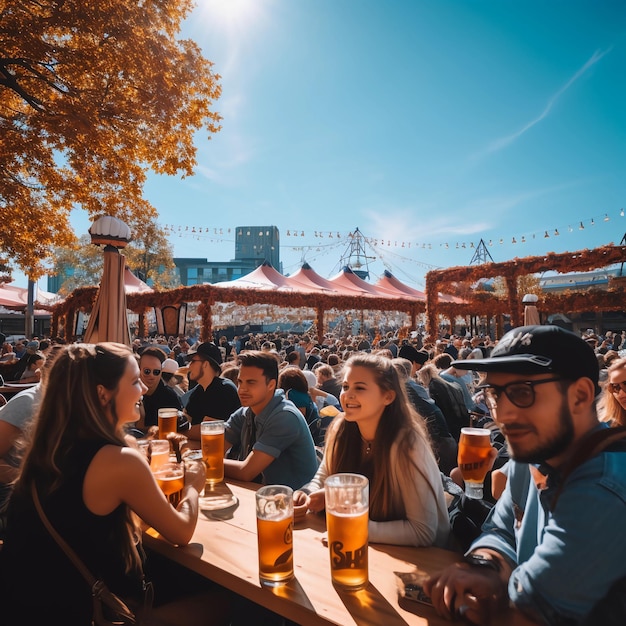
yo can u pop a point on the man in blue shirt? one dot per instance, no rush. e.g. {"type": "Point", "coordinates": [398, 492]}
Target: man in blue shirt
{"type": "Point", "coordinates": [271, 437]}
{"type": "Point", "coordinates": [551, 561]}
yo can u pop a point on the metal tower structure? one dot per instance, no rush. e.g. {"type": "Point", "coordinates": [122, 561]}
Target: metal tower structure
{"type": "Point", "coordinates": [481, 255]}
{"type": "Point", "coordinates": [356, 257]}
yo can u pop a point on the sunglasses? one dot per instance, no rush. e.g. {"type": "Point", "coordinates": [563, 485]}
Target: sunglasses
{"type": "Point", "coordinates": [615, 388]}
{"type": "Point", "coordinates": [147, 371]}
{"type": "Point", "coordinates": [521, 394]}
{"type": "Point", "coordinates": [196, 361]}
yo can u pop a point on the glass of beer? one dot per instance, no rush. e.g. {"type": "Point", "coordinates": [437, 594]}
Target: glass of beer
{"type": "Point", "coordinates": [473, 459]}
{"type": "Point", "coordinates": [159, 453]}
{"type": "Point", "coordinates": [168, 421]}
{"type": "Point", "coordinates": [347, 517]}
{"type": "Point", "coordinates": [274, 521]}
{"type": "Point", "coordinates": [171, 478]}
{"type": "Point", "coordinates": [212, 439]}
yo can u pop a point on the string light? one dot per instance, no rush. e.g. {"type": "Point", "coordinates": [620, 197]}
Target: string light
{"type": "Point", "coordinates": [197, 233]}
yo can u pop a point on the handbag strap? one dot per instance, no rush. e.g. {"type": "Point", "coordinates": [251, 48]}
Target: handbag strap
{"type": "Point", "coordinates": [98, 587]}
{"type": "Point", "coordinates": [62, 543]}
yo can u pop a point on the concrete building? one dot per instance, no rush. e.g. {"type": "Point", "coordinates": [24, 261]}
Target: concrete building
{"type": "Point", "coordinates": [253, 246]}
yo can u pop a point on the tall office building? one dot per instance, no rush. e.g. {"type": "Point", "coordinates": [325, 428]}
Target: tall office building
{"type": "Point", "coordinates": [253, 246]}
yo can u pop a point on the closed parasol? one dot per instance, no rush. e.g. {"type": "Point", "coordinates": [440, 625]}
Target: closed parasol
{"type": "Point", "coordinates": [531, 314]}
{"type": "Point", "coordinates": [108, 320]}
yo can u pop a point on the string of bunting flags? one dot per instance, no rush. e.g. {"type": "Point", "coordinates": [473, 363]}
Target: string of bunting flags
{"type": "Point", "coordinates": [291, 236]}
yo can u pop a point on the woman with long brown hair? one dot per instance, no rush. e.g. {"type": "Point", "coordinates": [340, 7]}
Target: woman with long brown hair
{"type": "Point", "coordinates": [91, 485]}
{"type": "Point", "coordinates": [381, 436]}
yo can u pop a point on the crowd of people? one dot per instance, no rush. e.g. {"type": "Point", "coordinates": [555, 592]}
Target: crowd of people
{"type": "Point", "coordinates": [296, 411]}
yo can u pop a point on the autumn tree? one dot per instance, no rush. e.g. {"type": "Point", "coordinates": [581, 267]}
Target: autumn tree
{"type": "Point", "coordinates": [5, 272]}
{"type": "Point", "coordinates": [78, 265]}
{"type": "Point", "coordinates": [93, 95]}
{"type": "Point", "coordinates": [148, 255]}
{"type": "Point", "coordinates": [529, 283]}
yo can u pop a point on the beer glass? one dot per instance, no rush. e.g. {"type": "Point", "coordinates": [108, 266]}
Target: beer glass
{"type": "Point", "coordinates": [171, 478]}
{"type": "Point", "coordinates": [347, 517]}
{"type": "Point", "coordinates": [274, 521]}
{"type": "Point", "coordinates": [473, 459]}
{"type": "Point", "coordinates": [212, 439]}
{"type": "Point", "coordinates": [159, 453]}
{"type": "Point", "coordinates": [168, 421]}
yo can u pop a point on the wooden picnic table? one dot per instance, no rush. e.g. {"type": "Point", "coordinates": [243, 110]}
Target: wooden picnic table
{"type": "Point", "coordinates": [12, 388]}
{"type": "Point", "coordinates": [224, 550]}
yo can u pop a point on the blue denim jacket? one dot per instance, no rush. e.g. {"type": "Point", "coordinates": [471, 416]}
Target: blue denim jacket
{"type": "Point", "coordinates": [567, 558]}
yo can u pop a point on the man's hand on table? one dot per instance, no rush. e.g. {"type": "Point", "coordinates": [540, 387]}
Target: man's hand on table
{"type": "Point", "coordinates": [471, 593]}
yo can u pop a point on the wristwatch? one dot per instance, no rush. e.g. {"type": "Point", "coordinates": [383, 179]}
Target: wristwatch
{"type": "Point", "coordinates": [481, 560]}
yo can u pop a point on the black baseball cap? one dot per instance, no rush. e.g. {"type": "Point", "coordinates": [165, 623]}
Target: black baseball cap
{"type": "Point", "coordinates": [537, 350]}
{"type": "Point", "coordinates": [209, 351]}
{"type": "Point", "coordinates": [409, 352]}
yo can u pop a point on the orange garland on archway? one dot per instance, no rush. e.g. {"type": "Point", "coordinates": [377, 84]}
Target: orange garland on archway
{"type": "Point", "coordinates": [480, 304]}
{"type": "Point", "coordinates": [488, 305]}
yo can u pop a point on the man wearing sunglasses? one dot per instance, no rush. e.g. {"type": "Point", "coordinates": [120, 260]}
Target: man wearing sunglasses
{"type": "Point", "coordinates": [213, 397]}
{"type": "Point", "coordinates": [551, 562]}
{"type": "Point", "coordinates": [159, 395]}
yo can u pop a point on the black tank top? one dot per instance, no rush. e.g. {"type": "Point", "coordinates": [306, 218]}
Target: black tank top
{"type": "Point", "coordinates": [38, 583]}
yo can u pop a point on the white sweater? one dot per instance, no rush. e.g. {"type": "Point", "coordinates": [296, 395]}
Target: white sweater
{"type": "Point", "coordinates": [427, 522]}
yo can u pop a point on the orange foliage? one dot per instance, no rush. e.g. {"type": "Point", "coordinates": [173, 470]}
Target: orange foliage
{"type": "Point", "coordinates": [92, 95]}
{"type": "Point", "coordinates": [486, 305]}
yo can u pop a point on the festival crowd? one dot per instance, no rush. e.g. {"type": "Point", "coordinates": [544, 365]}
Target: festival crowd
{"type": "Point", "coordinates": [545, 542]}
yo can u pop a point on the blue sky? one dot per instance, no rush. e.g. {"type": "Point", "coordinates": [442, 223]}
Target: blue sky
{"type": "Point", "coordinates": [421, 122]}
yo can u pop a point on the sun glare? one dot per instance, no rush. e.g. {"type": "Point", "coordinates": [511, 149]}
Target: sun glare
{"type": "Point", "coordinates": [232, 15]}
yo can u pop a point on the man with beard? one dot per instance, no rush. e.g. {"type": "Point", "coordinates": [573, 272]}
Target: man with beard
{"type": "Point", "coordinates": [213, 397]}
{"type": "Point", "coordinates": [551, 563]}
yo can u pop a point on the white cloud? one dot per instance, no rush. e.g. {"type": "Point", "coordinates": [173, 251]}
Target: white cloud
{"type": "Point", "coordinates": [507, 140]}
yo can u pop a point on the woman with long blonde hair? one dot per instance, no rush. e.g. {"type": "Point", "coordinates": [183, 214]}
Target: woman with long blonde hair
{"type": "Point", "coordinates": [381, 436]}
{"type": "Point", "coordinates": [613, 401]}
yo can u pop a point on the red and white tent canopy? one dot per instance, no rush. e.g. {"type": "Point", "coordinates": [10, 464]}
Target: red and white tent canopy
{"type": "Point", "coordinates": [345, 283]}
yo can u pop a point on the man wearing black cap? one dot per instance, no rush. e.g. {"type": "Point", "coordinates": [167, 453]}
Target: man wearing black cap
{"type": "Point", "coordinates": [552, 562]}
{"type": "Point", "coordinates": [213, 397]}
{"type": "Point", "coordinates": [417, 357]}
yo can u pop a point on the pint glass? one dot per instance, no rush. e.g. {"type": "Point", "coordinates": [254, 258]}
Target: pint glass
{"type": "Point", "coordinates": [473, 459]}
{"type": "Point", "coordinates": [274, 520]}
{"type": "Point", "coordinates": [170, 477]}
{"type": "Point", "coordinates": [212, 434]}
{"type": "Point", "coordinates": [347, 508]}
{"type": "Point", "coordinates": [159, 453]}
{"type": "Point", "coordinates": [168, 421]}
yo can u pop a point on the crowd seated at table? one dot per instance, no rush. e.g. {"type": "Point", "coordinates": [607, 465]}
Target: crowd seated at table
{"type": "Point", "coordinates": [396, 421]}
